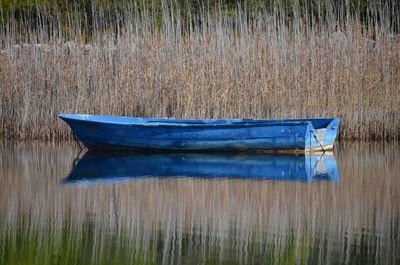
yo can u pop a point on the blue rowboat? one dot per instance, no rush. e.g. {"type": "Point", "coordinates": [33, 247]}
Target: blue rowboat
{"type": "Point", "coordinates": [110, 132]}
{"type": "Point", "coordinates": [114, 167]}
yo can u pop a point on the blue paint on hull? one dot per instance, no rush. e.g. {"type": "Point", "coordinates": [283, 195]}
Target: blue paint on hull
{"type": "Point", "coordinates": [109, 132]}
{"type": "Point", "coordinates": [111, 167]}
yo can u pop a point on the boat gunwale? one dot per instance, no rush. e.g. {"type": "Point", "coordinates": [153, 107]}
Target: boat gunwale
{"type": "Point", "coordinates": [187, 123]}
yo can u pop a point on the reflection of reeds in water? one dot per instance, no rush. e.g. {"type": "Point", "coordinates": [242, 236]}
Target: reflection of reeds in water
{"type": "Point", "coordinates": [176, 220]}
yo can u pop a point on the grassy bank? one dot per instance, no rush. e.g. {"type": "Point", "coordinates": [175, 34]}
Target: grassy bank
{"type": "Point", "coordinates": [224, 64]}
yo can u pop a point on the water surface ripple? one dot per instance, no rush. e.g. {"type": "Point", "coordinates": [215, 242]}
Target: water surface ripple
{"type": "Point", "coordinates": [199, 209]}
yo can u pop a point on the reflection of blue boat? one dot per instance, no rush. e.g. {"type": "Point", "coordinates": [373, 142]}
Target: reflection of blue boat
{"type": "Point", "coordinates": [115, 167]}
{"type": "Point", "coordinates": [106, 132]}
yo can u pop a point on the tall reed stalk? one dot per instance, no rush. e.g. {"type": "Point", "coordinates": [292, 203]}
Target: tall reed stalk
{"type": "Point", "coordinates": [250, 64]}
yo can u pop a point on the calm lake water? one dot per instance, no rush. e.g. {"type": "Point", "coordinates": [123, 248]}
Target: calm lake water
{"type": "Point", "coordinates": [199, 209]}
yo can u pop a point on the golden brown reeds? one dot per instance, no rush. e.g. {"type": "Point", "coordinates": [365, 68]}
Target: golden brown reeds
{"type": "Point", "coordinates": [246, 65]}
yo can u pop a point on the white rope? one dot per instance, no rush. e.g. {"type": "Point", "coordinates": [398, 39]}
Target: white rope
{"type": "Point", "coordinates": [316, 138]}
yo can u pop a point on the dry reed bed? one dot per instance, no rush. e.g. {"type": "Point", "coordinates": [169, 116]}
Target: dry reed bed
{"type": "Point", "coordinates": [223, 67]}
{"type": "Point", "coordinates": [361, 211]}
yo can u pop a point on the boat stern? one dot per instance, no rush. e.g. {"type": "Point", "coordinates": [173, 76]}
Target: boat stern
{"type": "Point", "coordinates": [322, 139]}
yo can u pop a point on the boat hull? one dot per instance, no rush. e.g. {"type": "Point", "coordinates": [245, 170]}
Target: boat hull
{"type": "Point", "coordinates": [118, 133]}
